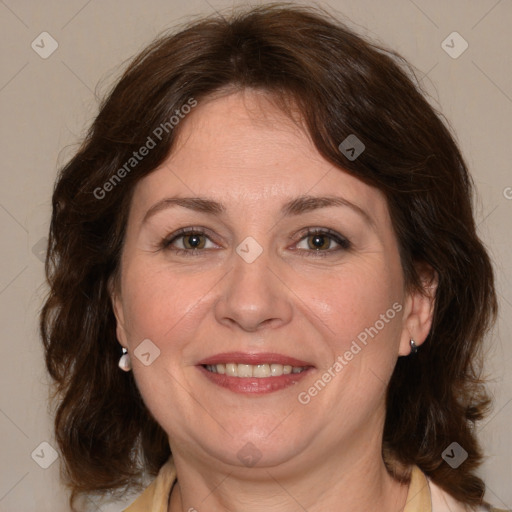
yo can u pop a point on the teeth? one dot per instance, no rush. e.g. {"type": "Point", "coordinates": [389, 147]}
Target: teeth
{"type": "Point", "coordinates": [231, 369]}
{"type": "Point", "coordinates": [244, 370]}
{"type": "Point", "coordinates": [259, 371]}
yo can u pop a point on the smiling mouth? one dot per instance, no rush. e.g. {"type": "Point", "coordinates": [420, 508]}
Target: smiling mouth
{"type": "Point", "coordinates": [254, 373]}
{"type": "Point", "coordinates": [258, 371]}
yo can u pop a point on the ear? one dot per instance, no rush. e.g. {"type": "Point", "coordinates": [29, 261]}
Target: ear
{"type": "Point", "coordinates": [419, 310]}
{"type": "Point", "coordinates": [117, 307]}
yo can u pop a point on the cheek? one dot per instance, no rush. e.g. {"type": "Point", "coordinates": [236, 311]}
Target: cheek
{"type": "Point", "coordinates": [163, 307]}
{"type": "Point", "coordinates": [157, 302]}
{"type": "Point", "coordinates": [352, 300]}
{"type": "Point", "coordinates": [363, 312]}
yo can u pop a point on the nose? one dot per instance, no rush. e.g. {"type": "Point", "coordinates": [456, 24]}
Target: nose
{"type": "Point", "coordinates": [253, 296]}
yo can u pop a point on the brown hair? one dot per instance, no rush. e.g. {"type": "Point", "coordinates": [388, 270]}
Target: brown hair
{"type": "Point", "coordinates": [342, 84]}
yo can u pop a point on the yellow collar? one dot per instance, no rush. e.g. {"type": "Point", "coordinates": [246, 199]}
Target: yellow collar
{"type": "Point", "coordinates": [418, 497]}
{"type": "Point", "coordinates": [155, 498]}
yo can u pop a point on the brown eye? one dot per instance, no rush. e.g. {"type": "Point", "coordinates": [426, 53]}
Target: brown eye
{"type": "Point", "coordinates": [188, 242]}
{"type": "Point", "coordinates": [319, 241]}
{"type": "Point", "coordinates": [194, 241]}
{"type": "Point", "coordinates": [322, 242]}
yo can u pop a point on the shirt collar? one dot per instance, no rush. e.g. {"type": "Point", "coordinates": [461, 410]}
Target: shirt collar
{"type": "Point", "coordinates": [156, 497]}
{"type": "Point", "coordinates": [418, 497]}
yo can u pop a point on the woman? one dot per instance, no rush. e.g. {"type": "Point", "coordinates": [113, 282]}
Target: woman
{"type": "Point", "coordinates": [270, 231]}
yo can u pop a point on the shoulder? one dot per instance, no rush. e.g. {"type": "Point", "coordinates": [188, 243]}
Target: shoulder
{"type": "Point", "coordinates": [444, 502]}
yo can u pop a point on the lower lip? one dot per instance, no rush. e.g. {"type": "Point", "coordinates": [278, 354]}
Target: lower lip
{"type": "Point", "coordinates": [252, 385]}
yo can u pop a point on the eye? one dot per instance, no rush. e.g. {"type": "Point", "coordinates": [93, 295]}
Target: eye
{"type": "Point", "coordinates": [188, 241]}
{"type": "Point", "coordinates": [320, 241]}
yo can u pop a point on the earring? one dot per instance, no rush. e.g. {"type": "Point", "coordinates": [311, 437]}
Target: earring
{"type": "Point", "coordinates": [414, 348]}
{"type": "Point", "coordinates": [124, 362]}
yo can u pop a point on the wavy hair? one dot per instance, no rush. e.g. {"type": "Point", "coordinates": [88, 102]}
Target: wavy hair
{"type": "Point", "coordinates": [342, 84]}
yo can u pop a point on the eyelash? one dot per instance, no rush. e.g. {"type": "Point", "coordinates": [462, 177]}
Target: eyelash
{"type": "Point", "coordinates": [343, 243]}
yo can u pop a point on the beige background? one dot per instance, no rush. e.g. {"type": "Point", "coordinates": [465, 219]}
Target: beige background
{"type": "Point", "coordinates": [46, 104]}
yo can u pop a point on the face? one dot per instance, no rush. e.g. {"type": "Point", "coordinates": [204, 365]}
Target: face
{"type": "Point", "coordinates": [261, 294]}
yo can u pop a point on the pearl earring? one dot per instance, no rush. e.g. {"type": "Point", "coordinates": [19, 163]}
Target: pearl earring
{"type": "Point", "coordinates": [414, 348]}
{"type": "Point", "coordinates": [124, 362]}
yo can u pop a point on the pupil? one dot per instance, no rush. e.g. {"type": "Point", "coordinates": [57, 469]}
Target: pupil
{"type": "Point", "coordinates": [194, 241]}
{"type": "Point", "coordinates": [318, 241]}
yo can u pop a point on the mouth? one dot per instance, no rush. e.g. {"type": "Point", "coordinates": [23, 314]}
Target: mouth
{"type": "Point", "coordinates": [253, 373]}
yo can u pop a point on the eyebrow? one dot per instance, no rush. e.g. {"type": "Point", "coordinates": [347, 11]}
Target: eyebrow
{"type": "Point", "coordinates": [297, 206]}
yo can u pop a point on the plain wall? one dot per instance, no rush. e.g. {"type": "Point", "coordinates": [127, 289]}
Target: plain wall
{"type": "Point", "coordinates": [46, 105]}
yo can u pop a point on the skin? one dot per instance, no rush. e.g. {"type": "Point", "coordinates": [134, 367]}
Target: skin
{"type": "Point", "coordinates": [238, 149]}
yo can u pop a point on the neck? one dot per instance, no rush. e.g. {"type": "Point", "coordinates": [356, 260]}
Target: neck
{"type": "Point", "coordinates": [355, 481]}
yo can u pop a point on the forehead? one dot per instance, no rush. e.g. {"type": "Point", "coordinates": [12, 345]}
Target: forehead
{"type": "Point", "coordinates": [241, 148]}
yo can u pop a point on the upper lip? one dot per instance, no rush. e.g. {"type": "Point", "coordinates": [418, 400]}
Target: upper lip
{"type": "Point", "coordinates": [253, 358]}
